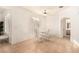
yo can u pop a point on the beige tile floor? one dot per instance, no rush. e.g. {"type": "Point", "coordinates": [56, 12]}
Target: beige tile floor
{"type": "Point", "coordinates": [50, 46]}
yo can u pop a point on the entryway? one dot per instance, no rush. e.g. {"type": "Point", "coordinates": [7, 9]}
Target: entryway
{"type": "Point", "coordinates": [66, 26]}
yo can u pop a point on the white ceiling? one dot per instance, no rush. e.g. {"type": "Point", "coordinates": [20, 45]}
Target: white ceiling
{"type": "Point", "coordinates": [51, 10]}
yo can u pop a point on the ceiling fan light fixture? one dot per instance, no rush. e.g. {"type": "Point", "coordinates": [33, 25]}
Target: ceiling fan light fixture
{"type": "Point", "coordinates": [61, 6]}
{"type": "Point", "coordinates": [45, 12]}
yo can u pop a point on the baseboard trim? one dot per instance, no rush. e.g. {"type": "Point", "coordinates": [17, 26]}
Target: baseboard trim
{"type": "Point", "coordinates": [15, 42]}
{"type": "Point", "coordinates": [75, 42]}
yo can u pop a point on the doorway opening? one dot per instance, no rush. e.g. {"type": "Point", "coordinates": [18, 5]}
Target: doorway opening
{"type": "Point", "coordinates": [66, 27]}
{"type": "Point", "coordinates": [4, 27]}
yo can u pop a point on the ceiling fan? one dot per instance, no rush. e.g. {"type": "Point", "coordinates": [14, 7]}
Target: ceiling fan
{"type": "Point", "coordinates": [45, 12]}
{"type": "Point", "coordinates": [61, 6]}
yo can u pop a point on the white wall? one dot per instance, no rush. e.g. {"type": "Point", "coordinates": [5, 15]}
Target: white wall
{"type": "Point", "coordinates": [51, 23]}
{"type": "Point", "coordinates": [19, 24]}
{"type": "Point", "coordinates": [75, 26]}
{"type": "Point", "coordinates": [73, 14]}
{"type": "Point", "coordinates": [21, 27]}
{"type": "Point", "coordinates": [1, 17]}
